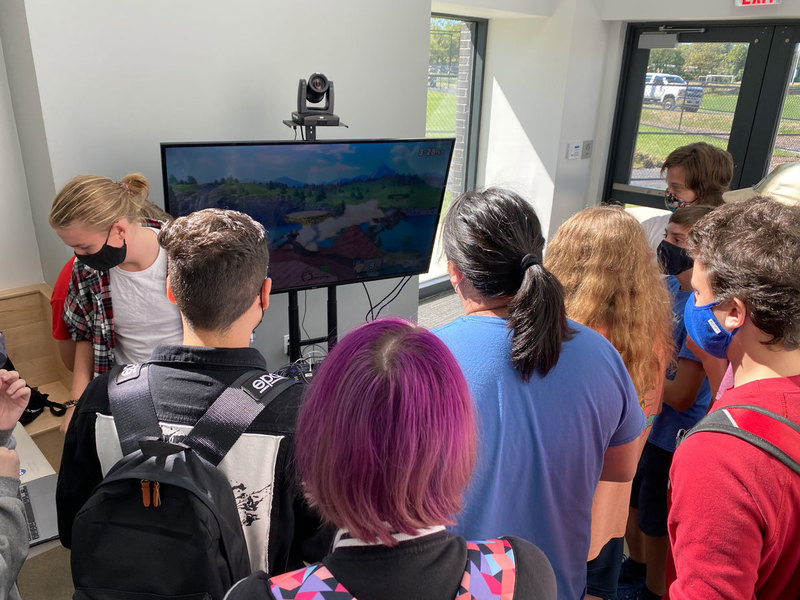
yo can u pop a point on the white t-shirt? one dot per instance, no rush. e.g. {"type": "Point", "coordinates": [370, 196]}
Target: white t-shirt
{"type": "Point", "coordinates": [143, 316]}
{"type": "Point", "coordinates": [654, 221]}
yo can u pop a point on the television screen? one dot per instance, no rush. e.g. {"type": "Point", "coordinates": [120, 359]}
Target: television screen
{"type": "Point", "coordinates": [336, 212]}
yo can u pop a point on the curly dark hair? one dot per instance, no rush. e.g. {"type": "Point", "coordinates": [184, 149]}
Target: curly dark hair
{"type": "Point", "coordinates": [751, 251]}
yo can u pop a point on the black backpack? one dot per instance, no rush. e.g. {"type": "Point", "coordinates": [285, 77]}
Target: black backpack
{"type": "Point", "coordinates": [163, 523]}
{"type": "Point", "coordinates": [771, 432]}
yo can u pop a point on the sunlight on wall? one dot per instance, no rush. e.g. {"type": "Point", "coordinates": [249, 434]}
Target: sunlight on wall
{"type": "Point", "coordinates": [513, 161]}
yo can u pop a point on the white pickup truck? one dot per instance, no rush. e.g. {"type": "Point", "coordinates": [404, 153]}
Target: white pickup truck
{"type": "Point", "coordinates": [672, 91]}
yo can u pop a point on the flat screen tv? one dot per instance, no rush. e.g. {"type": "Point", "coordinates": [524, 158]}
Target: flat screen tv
{"type": "Point", "coordinates": [336, 212]}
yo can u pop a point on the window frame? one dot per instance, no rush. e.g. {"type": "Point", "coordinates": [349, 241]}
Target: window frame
{"type": "Point", "coordinates": [480, 28]}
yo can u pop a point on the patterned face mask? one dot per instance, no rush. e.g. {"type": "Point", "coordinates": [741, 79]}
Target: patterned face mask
{"type": "Point", "coordinates": [673, 203]}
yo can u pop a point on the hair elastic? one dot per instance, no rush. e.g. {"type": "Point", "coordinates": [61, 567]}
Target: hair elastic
{"type": "Point", "coordinates": [124, 186]}
{"type": "Point", "coordinates": [528, 261]}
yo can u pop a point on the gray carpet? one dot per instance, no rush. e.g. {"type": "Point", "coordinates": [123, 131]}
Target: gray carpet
{"type": "Point", "coordinates": [46, 576]}
{"type": "Point", "coordinates": [439, 309]}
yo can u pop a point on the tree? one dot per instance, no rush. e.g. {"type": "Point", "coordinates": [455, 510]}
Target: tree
{"type": "Point", "coordinates": [445, 42]}
{"type": "Point", "coordinates": [666, 60]}
{"type": "Point", "coordinates": [704, 58]}
{"type": "Point", "coordinates": [735, 59]}
{"type": "Point", "coordinates": [191, 180]}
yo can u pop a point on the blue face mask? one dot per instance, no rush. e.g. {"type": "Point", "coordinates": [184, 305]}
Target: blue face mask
{"type": "Point", "coordinates": [703, 327]}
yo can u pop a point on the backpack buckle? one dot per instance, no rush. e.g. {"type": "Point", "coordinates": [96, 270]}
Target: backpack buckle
{"type": "Point", "coordinates": [154, 446]}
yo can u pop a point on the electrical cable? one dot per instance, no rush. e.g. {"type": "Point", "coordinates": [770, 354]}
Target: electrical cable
{"type": "Point", "coordinates": [377, 304]}
{"type": "Point", "coordinates": [371, 307]}
{"type": "Point", "coordinates": [305, 308]}
{"type": "Point", "coordinates": [401, 285]}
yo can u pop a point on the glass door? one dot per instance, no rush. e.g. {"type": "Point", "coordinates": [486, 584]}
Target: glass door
{"type": "Point", "coordinates": [704, 86]}
{"type": "Point", "coordinates": [776, 131]}
{"type": "Point", "coordinates": [689, 95]}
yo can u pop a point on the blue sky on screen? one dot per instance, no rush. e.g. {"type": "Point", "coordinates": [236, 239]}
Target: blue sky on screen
{"type": "Point", "coordinates": [306, 163]}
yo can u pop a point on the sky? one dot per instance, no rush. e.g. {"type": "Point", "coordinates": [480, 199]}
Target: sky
{"type": "Point", "coordinates": [305, 162]}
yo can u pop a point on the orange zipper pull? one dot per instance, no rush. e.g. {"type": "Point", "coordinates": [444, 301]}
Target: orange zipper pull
{"type": "Point", "coordinates": [145, 492]}
{"type": "Point", "coordinates": [156, 494]}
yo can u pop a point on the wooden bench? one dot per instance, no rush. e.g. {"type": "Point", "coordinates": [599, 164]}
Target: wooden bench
{"type": "Point", "coordinates": [25, 319]}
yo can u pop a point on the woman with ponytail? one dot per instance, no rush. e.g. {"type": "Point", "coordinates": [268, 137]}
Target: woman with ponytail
{"type": "Point", "coordinates": [557, 409]}
{"type": "Point", "coordinates": [116, 307]}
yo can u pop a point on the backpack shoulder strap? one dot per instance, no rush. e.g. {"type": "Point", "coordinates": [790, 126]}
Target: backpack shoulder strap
{"type": "Point", "coordinates": [312, 581]}
{"type": "Point", "coordinates": [771, 432]}
{"type": "Point", "coordinates": [490, 572]}
{"type": "Point", "coordinates": [231, 414]}
{"type": "Point", "coordinates": [132, 406]}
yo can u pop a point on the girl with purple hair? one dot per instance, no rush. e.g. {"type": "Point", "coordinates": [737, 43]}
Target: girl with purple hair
{"type": "Point", "coordinates": [387, 447]}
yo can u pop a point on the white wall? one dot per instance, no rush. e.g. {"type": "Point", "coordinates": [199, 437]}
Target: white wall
{"type": "Point", "coordinates": [496, 9]}
{"type": "Point", "coordinates": [116, 78]}
{"type": "Point", "coordinates": [18, 248]}
{"type": "Point", "coordinates": [545, 81]}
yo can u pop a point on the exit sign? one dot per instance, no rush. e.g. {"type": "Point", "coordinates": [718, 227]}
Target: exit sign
{"type": "Point", "coordinates": [756, 2]}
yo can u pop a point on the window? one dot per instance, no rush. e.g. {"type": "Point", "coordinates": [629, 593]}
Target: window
{"type": "Point", "coordinates": [733, 86]}
{"type": "Point", "coordinates": [454, 76]}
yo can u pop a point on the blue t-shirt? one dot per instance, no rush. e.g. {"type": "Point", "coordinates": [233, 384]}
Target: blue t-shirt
{"type": "Point", "coordinates": [542, 442]}
{"type": "Point", "coordinates": [669, 421]}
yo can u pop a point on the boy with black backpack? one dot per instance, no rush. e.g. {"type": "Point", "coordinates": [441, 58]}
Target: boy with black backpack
{"type": "Point", "coordinates": [182, 414]}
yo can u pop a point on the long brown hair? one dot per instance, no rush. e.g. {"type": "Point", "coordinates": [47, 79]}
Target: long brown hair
{"type": "Point", "coordinates": [613, 285]}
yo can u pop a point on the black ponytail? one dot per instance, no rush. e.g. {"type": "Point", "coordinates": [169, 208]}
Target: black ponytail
{"type": "Point", "coordinates": [495, 239]}
{"type": "Point", "coordinates": [538, 322]}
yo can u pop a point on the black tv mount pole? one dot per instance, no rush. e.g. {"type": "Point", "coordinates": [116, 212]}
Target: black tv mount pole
{"type": "Point", "coordinates": [318, 88]}
{"type": "Point", "coordinates": [296, 342]}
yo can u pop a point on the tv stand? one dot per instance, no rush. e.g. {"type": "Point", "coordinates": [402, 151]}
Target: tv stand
{"type": "Point", "coordinates": [295, 339]}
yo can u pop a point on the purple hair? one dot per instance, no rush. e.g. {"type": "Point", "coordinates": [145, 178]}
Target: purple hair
{"type": "Point", "coordinates": [386, 436]}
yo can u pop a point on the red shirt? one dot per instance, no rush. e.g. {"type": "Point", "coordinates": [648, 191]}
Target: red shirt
{"type": "Point", "coordinates": [60, 330]}
{"type": "Point", "coordinates": [734, 520]}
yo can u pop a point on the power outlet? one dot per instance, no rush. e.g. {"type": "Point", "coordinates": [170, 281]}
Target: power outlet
{"type": "Point", "coordinates": [286, 344]}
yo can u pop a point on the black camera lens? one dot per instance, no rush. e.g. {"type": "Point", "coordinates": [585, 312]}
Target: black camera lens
{"type": "Point", "coordinates": [318, 82]}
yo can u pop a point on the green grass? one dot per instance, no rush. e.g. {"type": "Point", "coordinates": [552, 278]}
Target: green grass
{"type": "Point", "coordinates": [183, 187]}
{"type": "Point", "coordinates": [727, 102]}
{"type": "Point", "coordinates": [723, 102]}
{"type": "Point", "coordinates": [658, 117]}
{"type": "Point", "coordinates": [441, 114]}
{"type": "Point", "coordinates": [656, 143]}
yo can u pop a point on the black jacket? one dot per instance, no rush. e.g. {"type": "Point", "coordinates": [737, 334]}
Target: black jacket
{"type": "Point", "coordinates": [424, 568]}
{"type": "Point", "coordinates": [281, 530]}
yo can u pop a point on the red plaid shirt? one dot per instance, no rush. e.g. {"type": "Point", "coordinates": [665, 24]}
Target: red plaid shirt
{"type": "Point", "coordinates": [88, 312]}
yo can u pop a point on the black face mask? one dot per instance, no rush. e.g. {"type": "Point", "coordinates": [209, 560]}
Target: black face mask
{"type": "Point", "coordinates": [673, 259]}
{"type": "Point", "coordinates": [105, 258]}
